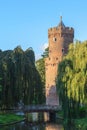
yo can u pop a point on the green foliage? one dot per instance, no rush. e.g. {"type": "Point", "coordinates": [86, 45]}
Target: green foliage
{"type": "Point", "coordinates": [46, 53]}
{"type": "Point", "coordinates": [10, 118]}
{"type": "Point", "coordinates": [83, 112]}
{"type": "Point", "coordinates": [29, 53]}
{"type": "Point", "coordinates": [72, 80]}
{"type": "Point", "coordinates": [81, 124]}
{"type": "Point", "coordinates": [40, 65]}
{"type": "Point", "coordinates": [20, 79]}
{"type": "Point", "coordinates": [0, 86]}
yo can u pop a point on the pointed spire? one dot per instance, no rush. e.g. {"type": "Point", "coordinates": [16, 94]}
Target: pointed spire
{"type": "Point", "coordinates": [61, 24]}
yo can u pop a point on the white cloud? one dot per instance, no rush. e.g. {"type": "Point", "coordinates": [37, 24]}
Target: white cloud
{"type": "Point", "coordinates": [40, 51]}
{"type": "Point", "coordinates": [37, 56]}
{"type": "Point", "coordinates": [44, 46]}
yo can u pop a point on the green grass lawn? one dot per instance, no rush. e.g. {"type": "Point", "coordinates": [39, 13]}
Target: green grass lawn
{"type": "Point", "coordinates": [10, 118]}
{"type": "Point", "coordinates": [81, 124]}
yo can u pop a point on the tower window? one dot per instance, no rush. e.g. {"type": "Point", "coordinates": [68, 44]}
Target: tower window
{"type": "Point", "coordinates": [54, 39]}
{"type": "Point", "coordinates": [62, 49]}
{"type": "Point", "coordinates": [54, 64]}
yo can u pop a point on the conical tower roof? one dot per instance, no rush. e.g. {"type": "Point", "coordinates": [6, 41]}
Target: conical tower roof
{"type": "Point", "coordinates": [61, 24]}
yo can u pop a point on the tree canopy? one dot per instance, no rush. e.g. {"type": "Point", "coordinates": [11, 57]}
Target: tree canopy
{"type": "Point", "coordinates": [72, 79]}
{"type": "Point", "coordinates": [45, 53]}
{"type": "Point", "coordinates": [40, 65]}
{"type": "Point", "coordinates": [19, 78]}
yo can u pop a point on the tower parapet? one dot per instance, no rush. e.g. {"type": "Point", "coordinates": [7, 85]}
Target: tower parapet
{"type": "Point", "coordinates": [61, 32]}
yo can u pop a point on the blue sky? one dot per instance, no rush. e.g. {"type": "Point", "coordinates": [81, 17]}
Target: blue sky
{"type": "Point", "coordinates": [26, 22]}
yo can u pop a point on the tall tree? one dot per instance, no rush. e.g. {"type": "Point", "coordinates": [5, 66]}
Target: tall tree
{"type": "Point", "coordinates": [45, 53]}
{"type": "Point", "coordinates": [20, 79]}
{"type": "Point", "coordinates": [72, 80]}
{"type": "Point", "coordinates": [40, 65]}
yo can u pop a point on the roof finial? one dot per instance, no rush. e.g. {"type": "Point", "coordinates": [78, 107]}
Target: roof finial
{"type": "Point", "coordinates": [60, 18]}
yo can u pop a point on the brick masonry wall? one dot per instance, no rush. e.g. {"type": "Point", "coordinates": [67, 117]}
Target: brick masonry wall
{"type": "Point", "coordinates": [59, 40]}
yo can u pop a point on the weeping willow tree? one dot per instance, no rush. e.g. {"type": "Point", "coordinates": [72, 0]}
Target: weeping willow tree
{"type": "Point", "coordinates": [72, 80]}
{"type": "Point", "coordinates": [20, 78]}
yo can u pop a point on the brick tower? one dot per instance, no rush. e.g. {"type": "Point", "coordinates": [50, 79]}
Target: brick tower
{"type": "Point", "coordinates": [59, 39]}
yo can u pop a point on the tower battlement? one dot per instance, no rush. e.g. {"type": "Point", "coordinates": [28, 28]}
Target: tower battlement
{"type": "Point", "coordinates": [61, 30]}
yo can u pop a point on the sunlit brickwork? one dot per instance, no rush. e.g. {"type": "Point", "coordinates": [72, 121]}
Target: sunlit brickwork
{"type": "Point", "coordinates": [59, 39]}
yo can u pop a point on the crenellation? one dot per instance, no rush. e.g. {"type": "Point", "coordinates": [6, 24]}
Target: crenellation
{"type": "Point", "coordinates": [61, 32]}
